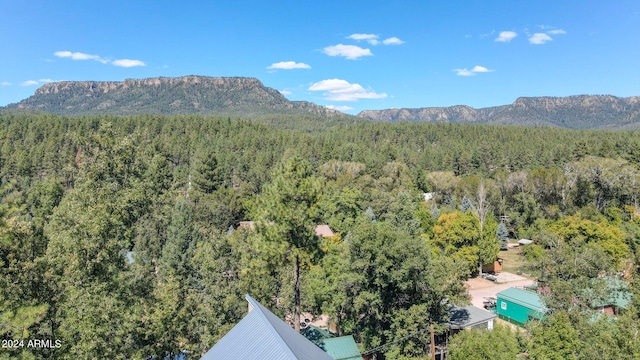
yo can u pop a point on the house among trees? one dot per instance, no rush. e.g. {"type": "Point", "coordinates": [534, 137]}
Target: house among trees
{"type": "Point", "coordinates": [262, 335]}
{"type": "Point", "coordinates": [320, 230]}
{"type": "Point", "coordinates": [324, 231]}
{"type": "Point", "coordinates": [339, 348]}
{"type": "Point", "coordinates": [617, 297]}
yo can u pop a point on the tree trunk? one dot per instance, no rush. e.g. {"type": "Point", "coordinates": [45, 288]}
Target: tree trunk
{"type": "Point", "coordinates": [296, 294]}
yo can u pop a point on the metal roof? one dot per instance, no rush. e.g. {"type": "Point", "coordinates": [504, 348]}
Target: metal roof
{"type": "Point", "coordinates": [315, 333]}
{"type": "Point", "coordinates": [525, 298]}
{"type": "Point", "coordinates": [262, 335]}
{"type": "Point", "coordinates": [618, 293]}
{"type": "Point", "coordinates": [341, 348]}
{"type": "Point", "coordinates": [324, 231]}
{"type": "Point", "coordinates": [468, 316]}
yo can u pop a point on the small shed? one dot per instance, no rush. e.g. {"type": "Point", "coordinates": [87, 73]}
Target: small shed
{"type": "Point", "coordinates": [468, 317]}
{"type": "Point", "coordinates": [519, 306]}
{"type": "Point", "coordinates": [495, 267]}
{"type": "Point", "coordinates": [249, 225]}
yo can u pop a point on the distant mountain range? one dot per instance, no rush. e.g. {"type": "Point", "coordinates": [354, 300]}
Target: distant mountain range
{"type": "Point", "coordinates": [248, 97]}
{"type": "Point", "coordinates": [237, 96]}
{"type": "Point", "coordinates": [574, 112]}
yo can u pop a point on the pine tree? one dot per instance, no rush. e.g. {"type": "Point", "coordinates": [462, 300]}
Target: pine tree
{"type": "Point", "coordinates": [182, 238]}
{"type": "Point", "coordinates": [286, 215]}
{"type": "Point", "coordinates": [466, 205]}
{"type": "Point", "coordinates": [503, 236]}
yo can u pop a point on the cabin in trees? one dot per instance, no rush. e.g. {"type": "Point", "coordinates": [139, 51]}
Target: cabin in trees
{"type": "Point", "coordinates": [518, 306]}
{"type": "Point", "coordinates": [324, 231]}
{"type": "Point", "coordinates": [320, 230]}
{"type": "Point", "coordinates": [617, 296]}
{"type": "Point", "coordinates": [495, 267]}
{"type": "Point", "coordinates": [339, 348]}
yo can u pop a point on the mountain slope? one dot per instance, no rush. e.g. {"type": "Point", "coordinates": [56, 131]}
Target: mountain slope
{"type": "Point", "coordinates": [236, 96]}
{"type": "Point", "coordinates": [575, 112]}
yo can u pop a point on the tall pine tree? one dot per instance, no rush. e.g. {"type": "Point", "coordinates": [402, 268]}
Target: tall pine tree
{"type": "Point", "coordinates": [286, 214]}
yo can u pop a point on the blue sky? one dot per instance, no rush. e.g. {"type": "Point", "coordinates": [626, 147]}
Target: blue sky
{"type": "Point", "coordinates": [351, 55]}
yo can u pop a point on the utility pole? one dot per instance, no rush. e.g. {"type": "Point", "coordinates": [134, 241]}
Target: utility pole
{"type": "Point", "coordinates": [433, 344]}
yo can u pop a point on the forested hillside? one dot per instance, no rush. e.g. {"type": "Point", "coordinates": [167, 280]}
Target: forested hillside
{"type": "Point", "coordinates": [119, 235]}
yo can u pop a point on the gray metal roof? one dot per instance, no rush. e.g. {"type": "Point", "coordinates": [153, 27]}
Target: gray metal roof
{"type": "Point", "coordinates": [262, 335]}
{"type": "Point", "coordinates": [462, 318]}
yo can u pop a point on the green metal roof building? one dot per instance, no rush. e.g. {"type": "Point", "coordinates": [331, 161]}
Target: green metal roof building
{"type": "Point", "coordinates": [617, 296]}
{"type": "Point", "coordinates": [519, 306]}
{"type": "Point", "coordinates": [339, 348]}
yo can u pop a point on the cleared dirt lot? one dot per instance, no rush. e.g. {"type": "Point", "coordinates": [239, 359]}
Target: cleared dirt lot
{"type": "Point", "coordinates": [480, 288]}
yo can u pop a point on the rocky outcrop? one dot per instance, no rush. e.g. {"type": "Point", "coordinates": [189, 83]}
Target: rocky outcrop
{"type": "Point", "coordinates": [577, 112]}
{"type": "Point", "coordinates": [237, 96]}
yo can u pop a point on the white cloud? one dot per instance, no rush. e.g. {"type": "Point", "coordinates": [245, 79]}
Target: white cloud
{"type": "Point", "coordinates": [5, 83]}
{"type": "Point", "coordinates": [463, 72]}
{"type": "Point", "coordinates": [339, 108]}
{"type": "Point", "coordinates": [373, 39]}
{"type": "Point", "coordinates": [128, 63]}
{"type": "Point", "coordinates": [350, 52]}
{"type": "Point", "coordinates": [506, 36]}
{"type": "Point", "coordinates": [476, 69]}
{"type": "Point", "coordinates": [342, 90]}
{"type": "Point", "coordinates": [370, 38]}
{"type": "Point", "coordinates": [285, 92]}
{"type": "Point", "coordinates": [83, 56]}
{"type": "Point", "coordinates": [288, 65]}
{"type": "Point", "coordinates": [34, 82]}
{"type": "Point", "coordinates": [79, 56]}
{"type": "Point", "coordinates": [480, 69]}
{"type": "Point", "coordinates": [539, 38]}
{"type": "Point", "coordinates": [556, 32]}
{"type": "Point", "coordinates": [393, 41]}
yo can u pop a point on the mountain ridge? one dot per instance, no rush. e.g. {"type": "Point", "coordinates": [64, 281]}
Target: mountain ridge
{"type": "Point", "coordinates": [191, 94]}
{"type": "Point", "coordinates": [576, 112]}
{"type": "Point", "coordinates": [247, 97]}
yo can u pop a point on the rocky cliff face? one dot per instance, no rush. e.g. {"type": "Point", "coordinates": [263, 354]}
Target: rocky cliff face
{"type": "Point", "coordinates": [458, 113]}
{"type": "Point", "coordinates": [577, 112]}
{"type": "Point", "coordinates": [103, 87]}
{"type": "Point", "coordinates": [236, 96]}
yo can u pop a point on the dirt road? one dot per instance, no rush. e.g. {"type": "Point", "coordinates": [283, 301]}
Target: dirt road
{"type": "Point", "coordinates": [480, 288]}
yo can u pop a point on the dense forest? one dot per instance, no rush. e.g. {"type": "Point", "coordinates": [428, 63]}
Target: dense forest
{"type": "Point", "coordinates": [119, 236]}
